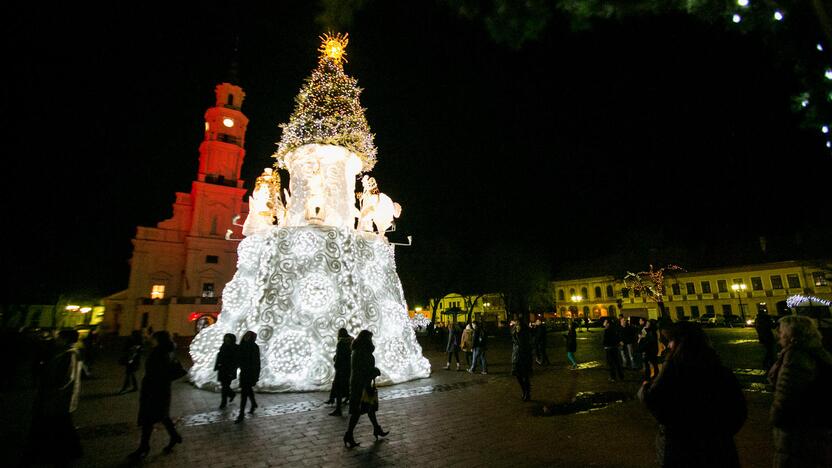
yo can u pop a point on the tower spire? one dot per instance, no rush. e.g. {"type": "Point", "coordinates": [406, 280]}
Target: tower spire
{"type": "Point", "coordinates": [233, 68]}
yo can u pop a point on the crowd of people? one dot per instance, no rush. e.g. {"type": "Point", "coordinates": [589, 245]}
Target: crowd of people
{"type": "Point", "coordinates": [697, 401]}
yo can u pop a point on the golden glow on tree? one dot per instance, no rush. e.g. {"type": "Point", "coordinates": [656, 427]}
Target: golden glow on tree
{"type": "Point", "coordinates": [334, 47]}
{"type": "Point", "coordinates": [328, 111]}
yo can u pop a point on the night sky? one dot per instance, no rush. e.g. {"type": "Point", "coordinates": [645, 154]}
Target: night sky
{"type": "Point", "coordinates": [654, 133]}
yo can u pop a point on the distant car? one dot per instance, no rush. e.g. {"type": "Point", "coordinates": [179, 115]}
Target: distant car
{"type": "Point", "coordinates": [734, 321]}
{"type": "Point", "coordinates": [711, 320]}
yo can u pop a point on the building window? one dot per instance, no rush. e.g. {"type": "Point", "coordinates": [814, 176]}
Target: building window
{"type": "Point", "coordinates": [560, 295]}
{"type": "Point", "coordinates": [776, 282]}
{"type": "Point", "coordinates": [597, 291]}
{"type": "Point", "coordinates": [737, 281]}
{"type": "Point", "coordinates": [690, 288]}
{"type": "Point", "coordinates": [610, 293]}
{"type": "Point", "coordinates": [706, 287]}
{"type": "Point", "coordinates": [680, 313]}
{"type": "Point", "coordinates": [726, 310]}
{"type": "Point", "coordinates": [157, 291]}
{"type": "Point", "coordinates": [819, 279]}
{"type": "Point", "coordinates": [794, 281]}
{"type": "Point", "coordinates": [586, 311]}
{"type": "Point", "coordinates": [756, 283]}
{"type": "Point", "coordinates": [722, 286]}
{"type": "Point", "coordinates": [709, 310]}
{"type": "Point", "coordinates": [585, 293]}
{"type": "Point", "coordinates": [571, 292]}
{"type": "Point", "coordinates": [694, 311]}
{"type": "Point", "coordinates": [207, 289]}
{"type": "Point", "coordinates": [212, 259]}
{"type": "Point", "coordinates": [762, 308]}
{"type": "Point", "coordinates": [230, 100]}
{"type": "Point", "coordinates": [675, 288]}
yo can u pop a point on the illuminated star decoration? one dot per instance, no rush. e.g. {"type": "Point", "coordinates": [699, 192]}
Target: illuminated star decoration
{"type": "Point", "coordinates": [334, 47]}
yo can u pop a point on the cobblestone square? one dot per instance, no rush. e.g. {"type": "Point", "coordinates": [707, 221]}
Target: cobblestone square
{"type": "Point", "coordinates": [449, 419]}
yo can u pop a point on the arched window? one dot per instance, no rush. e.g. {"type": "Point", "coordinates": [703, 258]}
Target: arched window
{"type": "Point", "coordinates": [230, 100]}
{"type": "Point", "coordinates": [597, 291]}
{"type": "Point", "coordinates": [571, 292]}
{"type": "Point", "coordinates": [609, 291]}
{"type": "Point", "coordinates": [560, 294]}
{"type": "Point", "coordinates": [584, 293]}
{"type": "Point", "coordinates": [586, 311]}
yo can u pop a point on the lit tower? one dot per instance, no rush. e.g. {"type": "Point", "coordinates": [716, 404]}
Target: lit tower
{"type": "Point", "coordinates": [180, 267]}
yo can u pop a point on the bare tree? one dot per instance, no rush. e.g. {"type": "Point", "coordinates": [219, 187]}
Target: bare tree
{"type": "Point", "coordinates": [651, 284]}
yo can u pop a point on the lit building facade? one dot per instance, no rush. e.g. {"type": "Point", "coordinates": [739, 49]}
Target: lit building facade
{"type": "Point", "coordinates": [486, 308]}
{"type": "Point", "coordinates": [180, 266]}
{"type": "Point", "coordinates": [735, 291]}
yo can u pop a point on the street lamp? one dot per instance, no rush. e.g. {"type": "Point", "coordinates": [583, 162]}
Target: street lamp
{"type": "Point", "coordinates": [739, 288]}
{"type": "Point", "coordinates": [577, 299]}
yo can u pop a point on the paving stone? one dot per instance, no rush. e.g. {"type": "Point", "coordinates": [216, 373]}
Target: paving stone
{"type": "Point", "coordinates": [449, 419]}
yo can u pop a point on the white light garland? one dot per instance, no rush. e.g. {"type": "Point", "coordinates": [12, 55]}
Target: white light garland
{"type": "Point", "coordinates": [799, 299]}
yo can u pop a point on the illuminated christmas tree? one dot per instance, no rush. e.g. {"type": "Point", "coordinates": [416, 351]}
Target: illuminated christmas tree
{"type": "Point", "coordinates": [304, 270]}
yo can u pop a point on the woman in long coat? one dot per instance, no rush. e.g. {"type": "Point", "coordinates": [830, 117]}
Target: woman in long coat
{"type": "Point", "coordinates": [362, 372]}
{"type": "Point", "coordinates": [648, 346]}
{"type": "Point", "coordinates": [697, 402]}
{"type": "Point", "coordinates": [452, 348]}
{"type": "Point", "coordinates": [155, 394]}
{"type": "Point", "coordinates": [572, 344]}
{"type": "Point", "coordinates": [248, 358]}
{"type": "Point", "coordinates": [131, 359]}
{"type": "Point", "coordinates": [521, 357]}
{"type": "Point", "coordinates": [226, 367]}
{"type": "Point", "coordinates": [800, 414]}
{"type": "Point", "coordinates": [341, 382]}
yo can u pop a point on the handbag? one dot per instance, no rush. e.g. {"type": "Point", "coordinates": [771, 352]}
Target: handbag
{"type": "Point", "coordinates": [369, 399]}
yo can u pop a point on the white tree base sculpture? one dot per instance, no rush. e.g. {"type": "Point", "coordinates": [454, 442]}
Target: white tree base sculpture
{"type": "Point", "coordinates": [295, 287]}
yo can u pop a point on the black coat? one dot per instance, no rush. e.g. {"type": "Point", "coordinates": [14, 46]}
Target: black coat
{"type": "Point", "coordinates": [362, 372]}
{"type": "Point", "coordinates": [248, 358]}
{"type": "Point", "coordinates": [341, 384]}
{"type": "Point", "coordinates": [764, 329]}
{"type": "Point", "coordinates": [649, 344]}
{"type": "Point", "coordinates": [131, 356]}
{"type": "Point", "coordinates": [226, 365]}
{"type": "Point", "coordinates": [480, 339]}
{"type": "Point", "coordinates": [540, 335]}
{"type": "Point", "coordinates": [611, 337]}
{"type": "Point", "coordinates": [699, 408]}
{"type": "Point", "coordinates": [521, 352]}
{"type": "Point", "coordinates": [628, 334]}
{"type": "Point", "coordinates": [454, 338]}
{"type": "Point", "coordinates": [571, 341]}
{"type": "Point", "coordinates": [154, 398]}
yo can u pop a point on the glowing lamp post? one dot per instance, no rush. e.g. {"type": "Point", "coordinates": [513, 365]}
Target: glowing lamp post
{"type": "Point", "coordinates": [577, 299]}
{"type": "Point", "coordinates": [740, 288]}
